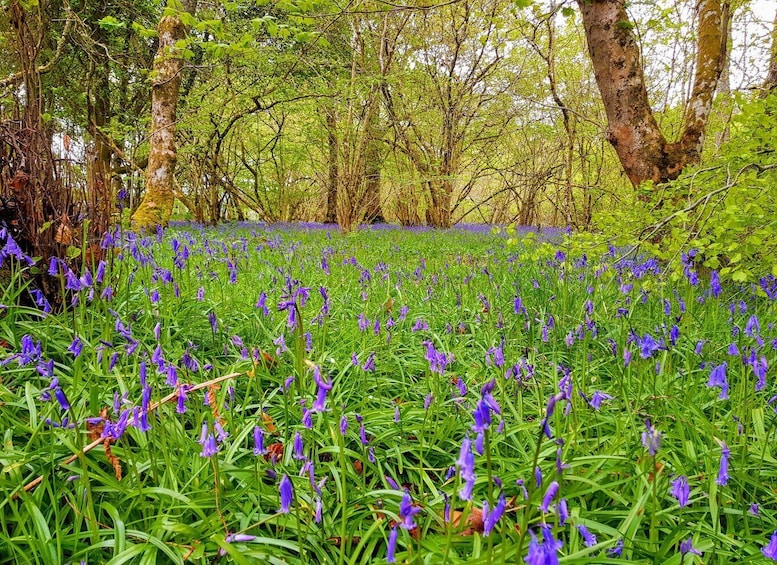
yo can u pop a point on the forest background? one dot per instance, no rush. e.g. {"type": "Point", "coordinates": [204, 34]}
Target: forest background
{"type": "Point", "coordinates": [475, 111]}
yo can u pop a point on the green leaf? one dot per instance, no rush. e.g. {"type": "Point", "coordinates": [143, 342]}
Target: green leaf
{"type": "Point", "coordinates": [109, 23]}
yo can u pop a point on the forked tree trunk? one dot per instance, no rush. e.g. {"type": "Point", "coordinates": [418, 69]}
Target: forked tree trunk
{"type": "Point", "coordinates": [157, 205]}
{"type": "Point", "coordinates": [644, 152]}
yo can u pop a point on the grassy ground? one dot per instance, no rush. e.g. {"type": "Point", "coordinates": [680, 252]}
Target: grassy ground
{"type": "Point", "coordinates": [419, 396]}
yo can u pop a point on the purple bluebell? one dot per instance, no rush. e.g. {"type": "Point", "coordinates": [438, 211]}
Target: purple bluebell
{"type": "Point", "coordinates": [617, 549]}
{"type": "Point", "coordinates": [319, 508]}
{"type": "Point", "coordinates": [286, 491]}
{"type": "Point", "coordinates": [770, 550]}
{"type": "Point", "coordinates": [221, 433]}
{"type": "Point", "coordinates": [466, 464]}
{"type": "Point", "coordinates": [181, 401]}
{"type": "Point", "coordinates": [718, 379]}
{"type": "Point", "coordinates": [59, 394]}
{"type": "Point", "coordinates": [491, 517]}
{"type": "Point", "coordinates": [550, 494]}
{"type": "Point", "coordinates": [725, 453]}
{"type": "Point", "coordinates": [231, 538]}
{"type": "Point", "coordinates": [406, 512]}
{"type": "Point", "coordinates": [562, 511]}
{"type": "Point", "coordinates": [589, 539]}
{"type": "Point", "coordinates": [651, 439]}
{"type": "Point", "coordinates": [545, 552]}
{"type": "Point", "coordinates": [258, 441]}
{"type": "Point", "coordinates": [753, 327]}
{"type": "Point", "coordinates": [323, 388]}
{"type": "Point", "coordinates": [209, 447]}
{"type": "Point", "coordinates": [686, 546]}
{"type": "Point", "coordinates": [715, 287]}
{"type": "Point", "coordinates": [299, 447]}
{"type": "Point", "coordinates": [392, 545]}
{"type": "Point", "coordinates": [76, 346]}
{"type": "Point", "coordinates": [680, 490]}
{"type": "Point", "coordinates": [647, 346]}
{"type": "Point", "coordinates": [759, 366]}
{"type": "Point", "coordinates": [369, 364]}
{"type": "Point", "coordinates": [597, 399]}
{"type": "Point", "coordinates": [343, 424]}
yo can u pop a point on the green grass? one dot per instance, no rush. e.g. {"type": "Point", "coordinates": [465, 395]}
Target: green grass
{"type": "Point", "coordinates": [172, 505]}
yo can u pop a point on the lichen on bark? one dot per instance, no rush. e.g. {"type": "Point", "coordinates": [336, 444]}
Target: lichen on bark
{"type": "Point", "coordinates": [157, 204]}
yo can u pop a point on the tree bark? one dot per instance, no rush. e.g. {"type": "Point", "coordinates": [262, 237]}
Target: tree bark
{"type": "Point", "coordinates": [334, 174]}
{"type": "Point", "coordinates": [771, 77]}
{"type": "Point", "coordinates": [157, 205]}
{"type": "Point", "coordinates": [642, 149]}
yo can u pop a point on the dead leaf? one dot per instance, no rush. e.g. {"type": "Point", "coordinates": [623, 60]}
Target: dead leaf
{"type": "Point", "coordinates": [474, 520]}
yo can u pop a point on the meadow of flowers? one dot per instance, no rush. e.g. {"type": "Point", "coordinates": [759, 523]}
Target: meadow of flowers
{"type": "Point", "coordinates": [290, 394]}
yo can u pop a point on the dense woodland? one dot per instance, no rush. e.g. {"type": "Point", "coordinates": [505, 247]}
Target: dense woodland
{"type": "Point", "coordinates": [575, 114]}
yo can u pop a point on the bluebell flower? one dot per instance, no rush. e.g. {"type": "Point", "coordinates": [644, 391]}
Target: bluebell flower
{"type": "Point", "coordinates": [715, 287]}
{"type": "Point", "coordinates": [617, 550]}
{"type": "Point", "coordinates": [647, 346]}
{"type": "Point", "coordinates": [753, 327]}
{"type": "Point", "coordinates": [723, 469]}
{"type": "Point", "coordinates": [76, 346]}
{"type": "Point", "coordinates": [597, 399]}
{"type": "Point", "coordinates": [209, 446]}
{"type": "Point", "coordinates": [770, 550]}
{"type": "Point", "coordinates": [369, 364]}
{"type": "Point", "coordinates": [545, 552]}
{"type": "Point", "coordinates": [466, 464]}
{"type": "Point", "coordinates": [589, 539]}
{"type": "Point", "coordinates": [258, 441]}
{"type": "Point", "coordinates": [680, 490]}
{"type": "Point", "coordinates": [323, 388]}
{"type": "Point", "coordinates": [286, 491]}
{"type": "Point", "coordinates": [550, 494]}
{"type": "Point", "coordinates": [687, 547]}
{"type": "Point", "coordinates": [651, 438]}
{"type": "Point", "coordinates": [298, 446]}
{"type": "Point", "coordinates": [392, 545]}
{"type": "Point", "coordinates": [59, 394]}
{"type": "Point", "coordinates": [491, 517]}
{"type": "Point", "coordinates": [406, 512]}
{"type": "Point", "coordinates": [718, 379]}
{"type": "Point", "coordinates": [562, 511]}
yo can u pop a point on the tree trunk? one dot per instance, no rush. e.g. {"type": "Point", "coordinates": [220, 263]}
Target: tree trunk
{"type": "Point", "coordinates": [372, 162]}
{"type": "Point", "coordinates": [644, 152]}
{"type": "Point", "coordinates": [771, 77]}
{"type": "Point", "coordinates": [331, 186]}
{"type": "Point", "coordinates": [157, 205]}
{"type": "Point", "coordinates": [99, 169]}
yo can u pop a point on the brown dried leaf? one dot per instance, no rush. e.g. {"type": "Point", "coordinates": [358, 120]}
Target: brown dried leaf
{"type": "Point", "coordinates": [474, 520]}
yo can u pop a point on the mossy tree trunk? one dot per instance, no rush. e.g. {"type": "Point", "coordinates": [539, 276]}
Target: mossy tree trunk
{"type": "Point", "coordinates": [644, 152]}
{"type": "Point", "coordinates": [157, 204]}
